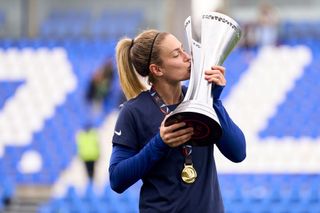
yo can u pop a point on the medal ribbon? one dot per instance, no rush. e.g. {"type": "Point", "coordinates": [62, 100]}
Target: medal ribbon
{"type": "Point", "coordinates": [186, 149]}
{"type": "Point", "coordinates": [158, 100]}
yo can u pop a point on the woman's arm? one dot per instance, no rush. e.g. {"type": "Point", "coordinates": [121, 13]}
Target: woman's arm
{"type": "Point", "coordinates": [232, 143]}
{"type": "Point", "coordinates": [127, 166]}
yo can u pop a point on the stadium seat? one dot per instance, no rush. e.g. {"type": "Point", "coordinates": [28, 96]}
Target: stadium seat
{"type": "Point", "coordinates": [296, 117]}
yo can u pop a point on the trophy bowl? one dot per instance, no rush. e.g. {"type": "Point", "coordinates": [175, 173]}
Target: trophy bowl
{"type": "Point", "coordinates": [201, 117]}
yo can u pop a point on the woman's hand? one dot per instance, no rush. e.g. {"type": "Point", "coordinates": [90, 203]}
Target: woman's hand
{"type": "Point", "coordinates": [216, 75]}
{"type": "Point", "coordinates": [175, 134]}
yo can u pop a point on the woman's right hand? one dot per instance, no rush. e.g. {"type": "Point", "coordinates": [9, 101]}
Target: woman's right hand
{"type": "Point", "coordinates": [175, 135]}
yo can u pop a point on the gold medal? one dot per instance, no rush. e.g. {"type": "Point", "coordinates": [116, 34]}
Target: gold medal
{"type": "Point", "coordinates": [188, 174]}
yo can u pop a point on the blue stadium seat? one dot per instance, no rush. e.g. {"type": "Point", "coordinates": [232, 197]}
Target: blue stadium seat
{"type": "Point", "coordinates": [114, 24]}
{"type": "Point", "coordinates": [66, 23]}
{"type": "Point", "coordinates": [49, 140]}
{"type": "Point", "coordinates": [242, 193]}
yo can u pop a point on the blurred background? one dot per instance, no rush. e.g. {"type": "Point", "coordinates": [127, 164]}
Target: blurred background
{"type": "Point", "coordinates": [59, 96]}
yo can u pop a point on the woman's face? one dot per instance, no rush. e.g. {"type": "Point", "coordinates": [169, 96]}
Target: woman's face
{"type": "Point", "coordinates": [176, 62]}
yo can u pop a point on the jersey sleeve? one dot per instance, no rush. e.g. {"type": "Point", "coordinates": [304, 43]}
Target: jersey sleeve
{"type": "Point", "coordinates": [216, 91]}
{"type": "Point", "coordinates": [128, 166]}
{"type": "Point", "coordinates": [125, 132]}
{"type": "Point", "coordinates": [232, 143]}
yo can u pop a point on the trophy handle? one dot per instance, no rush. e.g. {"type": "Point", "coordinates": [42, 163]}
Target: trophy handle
{"type": "Point", "coordinates": [188, 29]}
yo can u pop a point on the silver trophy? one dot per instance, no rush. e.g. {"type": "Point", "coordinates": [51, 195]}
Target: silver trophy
{"type": "Point", "coordinates": [219, 35]}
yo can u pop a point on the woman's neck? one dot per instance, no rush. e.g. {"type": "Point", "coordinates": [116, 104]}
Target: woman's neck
{"type": "Point", "coordinates": [169, 94]}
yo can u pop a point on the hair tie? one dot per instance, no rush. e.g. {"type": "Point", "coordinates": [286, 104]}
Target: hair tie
{"type": "Point", "coordinates": [132, 42]}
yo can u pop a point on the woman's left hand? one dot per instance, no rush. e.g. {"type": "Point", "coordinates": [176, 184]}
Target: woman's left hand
{"type": "Point", "coordinates": [216, 75]}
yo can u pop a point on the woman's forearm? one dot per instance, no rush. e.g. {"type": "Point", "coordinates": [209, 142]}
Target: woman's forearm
{"type": "Point", "coordinates": [128, 166]}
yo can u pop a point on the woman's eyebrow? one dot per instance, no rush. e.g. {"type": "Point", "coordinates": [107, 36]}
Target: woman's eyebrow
{"type": "Point", "coordinates": [177, 49]}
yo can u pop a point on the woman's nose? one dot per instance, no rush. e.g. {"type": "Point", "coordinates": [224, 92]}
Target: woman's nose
{"type": "Point", "coordinates": [187, 56]}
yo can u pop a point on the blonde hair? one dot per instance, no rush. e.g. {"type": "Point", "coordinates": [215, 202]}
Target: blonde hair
{"type": "Point", "coordinates": [134, 56]}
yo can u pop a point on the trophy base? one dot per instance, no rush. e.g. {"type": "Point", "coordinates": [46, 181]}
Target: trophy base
{"type": "Point", "coordinates": [202, 118]}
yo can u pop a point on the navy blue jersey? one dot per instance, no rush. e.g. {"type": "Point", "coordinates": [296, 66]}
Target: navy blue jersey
{"type": "Point", "coordinates": [163, 189]}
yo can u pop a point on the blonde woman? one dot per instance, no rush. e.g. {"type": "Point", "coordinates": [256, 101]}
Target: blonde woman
{"type": "Point", "coordinates": [143, 148]}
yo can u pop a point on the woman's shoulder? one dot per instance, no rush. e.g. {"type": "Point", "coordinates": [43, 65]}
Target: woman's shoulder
{"type": "Point", "coordinates": [141, 101]}
{"type": "Point", "coordinates": [139, 108]}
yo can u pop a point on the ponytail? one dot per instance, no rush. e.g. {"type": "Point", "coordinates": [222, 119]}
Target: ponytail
{"type": "Point", "coordinates": [129, 81]}
{"type": "Point", "coordinates": [134, 57]}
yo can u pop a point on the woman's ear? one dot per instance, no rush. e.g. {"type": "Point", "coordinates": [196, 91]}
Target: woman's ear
{"type": "Point", "coordinates": [155, 70]}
